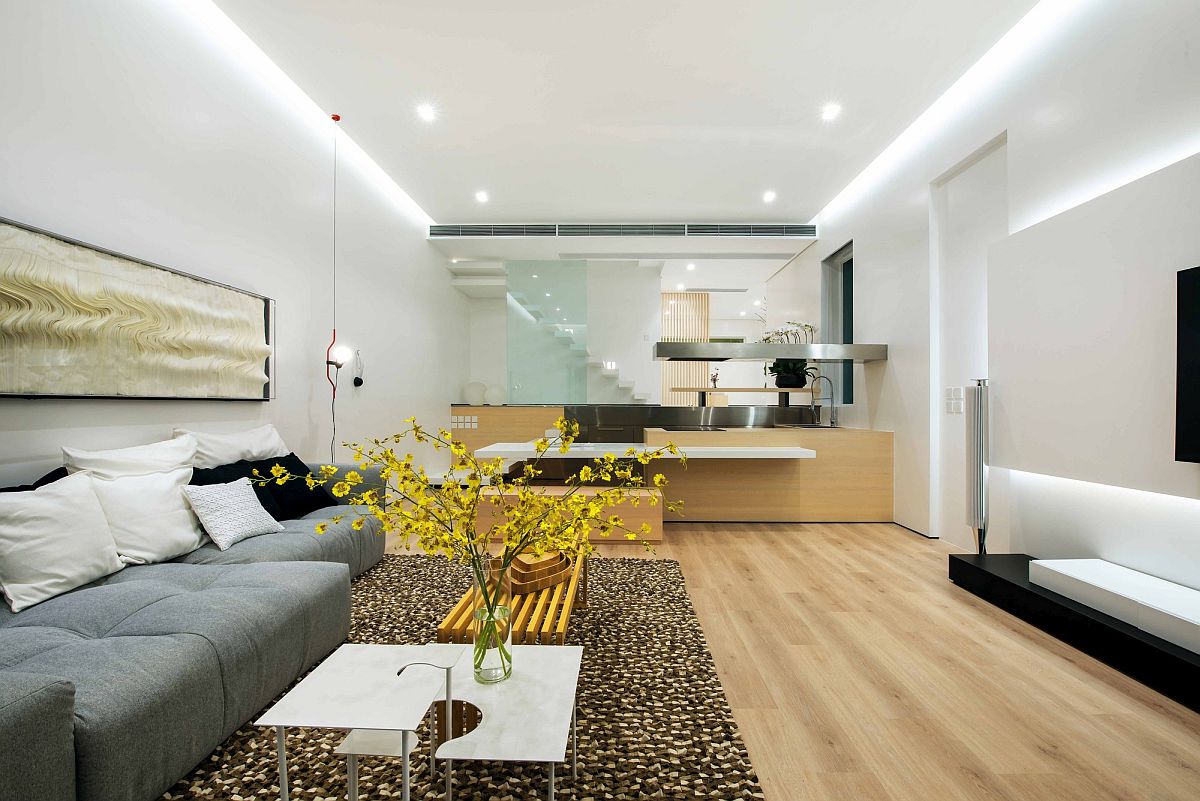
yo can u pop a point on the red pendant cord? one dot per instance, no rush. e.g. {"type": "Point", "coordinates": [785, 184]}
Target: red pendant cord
{"type": "Point", "coordinates": [333, 339]}
{"type": "Point", "coordinates": [329, 363]}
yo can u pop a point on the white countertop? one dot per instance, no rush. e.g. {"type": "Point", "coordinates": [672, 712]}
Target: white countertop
{"type": "Point", "coordinates": [516, 451]}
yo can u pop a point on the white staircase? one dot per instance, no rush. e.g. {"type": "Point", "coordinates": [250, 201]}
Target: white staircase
{"type": "Point", "coordinates": [486, 279]}
{"type": "Point", "coordinates": [604, 382]}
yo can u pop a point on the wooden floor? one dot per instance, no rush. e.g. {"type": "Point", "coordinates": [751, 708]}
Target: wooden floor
{"type": "Point", "coordinates": [857, 671]}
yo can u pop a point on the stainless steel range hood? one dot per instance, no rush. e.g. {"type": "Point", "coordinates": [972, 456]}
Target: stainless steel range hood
{"type": "Point", "coordinates": [758, 351]}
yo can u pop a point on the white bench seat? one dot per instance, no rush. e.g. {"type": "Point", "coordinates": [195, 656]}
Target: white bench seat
{"type": "Point", "coordinates": [1167, 610]}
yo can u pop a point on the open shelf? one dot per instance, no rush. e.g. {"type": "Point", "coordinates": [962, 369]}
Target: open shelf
{"type": "Point", "coordinates": [759, 351]}
{"type": "Point", "coordinates": [741, 389]}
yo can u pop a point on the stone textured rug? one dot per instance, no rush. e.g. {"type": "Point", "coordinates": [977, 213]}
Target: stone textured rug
{"type": "Point", "coordinates": [653, 718]}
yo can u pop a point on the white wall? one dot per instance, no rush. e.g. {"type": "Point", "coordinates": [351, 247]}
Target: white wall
{"type": "Point", "coordinates": [1092, 94]}
{"type": "Point", "coordinates": [1082, 351]}
{"type": "Point", "coordinates": [130, 126]}
{"type": "Point", "coordinates": [487, 340]}
{"type": "Point", "coordinates": [971, 213]}
{"type": "Point", "coordinates": [625, 320]}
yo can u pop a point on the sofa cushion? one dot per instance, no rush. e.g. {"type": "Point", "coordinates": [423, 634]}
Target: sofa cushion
{"type": "Point", "coordinates": [141, 491]}
{"type": "Point", "coordinates": [294, 497]}
{"type": "Point", "coordinates": [42, 554]}
{"type": "Point", "coordinates": [49, 478]}
{"type": "Point", "coordinates": [299, 541]}
{"type": "Point", "coordinates": [231, 512]}
{"type": "Point", "coordinates": [37, 711]}
{"type": "Point", "coordinates": [225, 473]}
{"type": "Point", "coordinates": [213, 450]}
{"type": "Point", "coordinates": [169, 659]}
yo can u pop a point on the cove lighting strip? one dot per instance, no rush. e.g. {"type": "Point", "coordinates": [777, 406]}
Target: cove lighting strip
{"type": "Point", "coordinates": [1032, 33]}
{"type": "Point", "coordinates": [233, 43]}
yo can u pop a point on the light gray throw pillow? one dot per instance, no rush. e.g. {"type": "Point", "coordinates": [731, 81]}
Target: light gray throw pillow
{"type": "Point", "coordinates": [230, 512]}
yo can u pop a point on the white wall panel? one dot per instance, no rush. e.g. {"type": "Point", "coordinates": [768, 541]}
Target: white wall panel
{"type": "Point", "coordinates": [132, 127]}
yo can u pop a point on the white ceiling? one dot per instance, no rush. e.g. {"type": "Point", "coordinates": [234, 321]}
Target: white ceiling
{"type": "Point", "coordinates": [624, 110]}
{"type": "Point", "coordinates": [748, 275]}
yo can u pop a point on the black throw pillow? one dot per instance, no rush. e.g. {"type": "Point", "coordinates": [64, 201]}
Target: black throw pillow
{"type": "Point", "coordinates": [49, 478]}
{"type": "Point", "coordinates": [294, 498]}
{"type": "Point", "coordinates": [224, 474]}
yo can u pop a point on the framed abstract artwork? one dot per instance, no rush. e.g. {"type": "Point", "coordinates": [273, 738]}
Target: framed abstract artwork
{"type": "Point", "coordinates": [78, 321]}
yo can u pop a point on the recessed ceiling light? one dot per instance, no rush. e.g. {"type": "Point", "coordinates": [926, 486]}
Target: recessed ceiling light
{"type": "Point", "coordinates": [427, 112]}
{"type": "Point", "coordinates": [758, 303]}
{"type": "Point", "coordinates": [481, 196]}
{"type": "Point", "coordinates": [691, 266]}
{"type": "Point", "coordinates": [769, 196]}
{"type": "Point", "coordinates": [830, 112]}
{"type": "Point", "coordinates": [535, 275]}
{"type": "Point", "coordinates": [558, 309]}
{"type": "Point", "coordinates": [547, 294]}
{"type": "Point", "coordinates": [743, 314]}
{"type": "Point", "coordinates": [680, 287]}
{"type": "Point", "coordinates": [454, 261]}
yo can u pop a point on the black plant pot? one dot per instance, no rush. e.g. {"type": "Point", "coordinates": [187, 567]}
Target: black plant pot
{"type": "Point", "coordinates": [791, 380]}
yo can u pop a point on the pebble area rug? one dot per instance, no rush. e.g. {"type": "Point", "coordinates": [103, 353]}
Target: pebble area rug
{"type": "Point", "coordinates": [653, 718]}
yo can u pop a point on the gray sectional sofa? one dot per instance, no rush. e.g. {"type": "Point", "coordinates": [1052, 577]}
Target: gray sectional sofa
{"type": "Point", "coordinates": [116, 690]}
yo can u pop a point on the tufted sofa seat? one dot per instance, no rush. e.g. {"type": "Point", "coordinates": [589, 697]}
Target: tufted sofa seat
{"type": "Point", "coordinates": [116, 690]}
{"type": "Point", "coordinates": [156, 665]}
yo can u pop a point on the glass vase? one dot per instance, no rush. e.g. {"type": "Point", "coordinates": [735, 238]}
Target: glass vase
{"type": "Point", "coordinates": [491, 623]}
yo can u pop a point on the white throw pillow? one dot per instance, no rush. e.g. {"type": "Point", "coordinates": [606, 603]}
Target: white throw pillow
{"type": "Point", "coordinates": [141, 492]}
{"type": "Point", "coordinates": [214, 450]}
{"type": "Point", "coordinates": [53, 539]}
{"type": "Point", "coordinates": [231, 512]}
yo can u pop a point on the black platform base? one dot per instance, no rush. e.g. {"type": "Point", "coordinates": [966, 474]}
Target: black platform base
{"type": "Point", "coordinates": [1003, 579]}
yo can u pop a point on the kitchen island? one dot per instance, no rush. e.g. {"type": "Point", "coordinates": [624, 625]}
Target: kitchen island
{"type": "Point", "coordinates": [751, 475]}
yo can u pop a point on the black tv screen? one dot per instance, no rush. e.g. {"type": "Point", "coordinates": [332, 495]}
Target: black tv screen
{"type": "Point", "coordinates": [1187, 371]}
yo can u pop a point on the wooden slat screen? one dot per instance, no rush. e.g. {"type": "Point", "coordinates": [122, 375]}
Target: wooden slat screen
{"type": "Point", "coordinates": [684, 319]}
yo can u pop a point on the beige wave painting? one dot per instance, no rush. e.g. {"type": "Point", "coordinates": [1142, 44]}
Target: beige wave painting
{"type": "Point", "coordinates": [75, 321]}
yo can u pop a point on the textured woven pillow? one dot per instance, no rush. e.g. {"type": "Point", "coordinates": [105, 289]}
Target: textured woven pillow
{"type": "Point", "coordinates": [230, 512]}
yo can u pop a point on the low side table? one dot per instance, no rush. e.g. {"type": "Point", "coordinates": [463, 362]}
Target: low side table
{"type": "Point", "coordinates": [526, 718]}
{"type": "Point", "coordinates": [356, 687]}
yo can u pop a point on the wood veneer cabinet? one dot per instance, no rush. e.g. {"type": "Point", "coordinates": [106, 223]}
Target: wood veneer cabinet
{"type": "Point", "coordinates": [849, 481]}
{"type": "Point", "coordinates": [479, 426]}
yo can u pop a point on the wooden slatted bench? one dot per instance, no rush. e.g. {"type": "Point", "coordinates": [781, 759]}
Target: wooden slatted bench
{"type": "Point", "coordinates": [542, 617]}
{"type": "Point", "coordinates": [539, 618]}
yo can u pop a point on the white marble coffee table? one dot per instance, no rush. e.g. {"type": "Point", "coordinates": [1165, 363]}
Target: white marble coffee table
{"type": "Point", "coordinates": [357, 688]}
{"type": "Point", "coordinates": [526, 718]}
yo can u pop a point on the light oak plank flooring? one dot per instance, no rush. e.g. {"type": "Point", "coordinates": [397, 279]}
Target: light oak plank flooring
{"type": "Point", "coordinates": [858, 672]}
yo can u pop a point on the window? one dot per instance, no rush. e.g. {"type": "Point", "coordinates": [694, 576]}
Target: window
{"type": "Point", "coordinates": [837, 315]}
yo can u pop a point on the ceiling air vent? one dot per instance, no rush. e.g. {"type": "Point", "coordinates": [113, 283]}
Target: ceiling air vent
{"type": "Point", "coordinates": [622, 229]}
{"type": "Point", "coordinates": [474, 231]}
{"type": "Point", "coordinates": [739, 229]}
{"type": "Point", "coordinates": [626, 229]}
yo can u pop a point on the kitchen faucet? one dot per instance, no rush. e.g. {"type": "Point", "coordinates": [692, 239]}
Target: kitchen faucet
{"type": "Point", "coordinates": [816, 396]}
